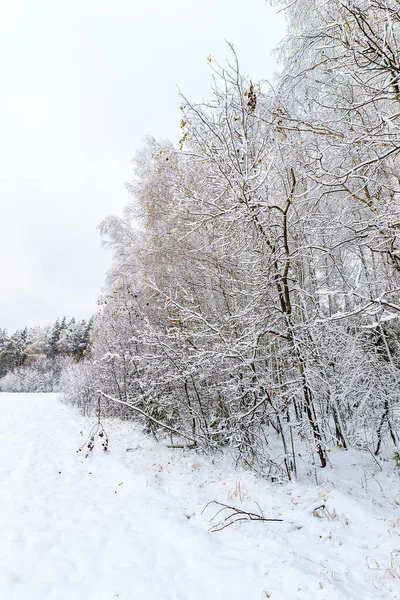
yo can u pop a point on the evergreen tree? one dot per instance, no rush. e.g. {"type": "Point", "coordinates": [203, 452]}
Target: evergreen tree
{"type": "Point", "coordinates": [6, 359]}
{"type": "Point", "coordinates": [53, 339]}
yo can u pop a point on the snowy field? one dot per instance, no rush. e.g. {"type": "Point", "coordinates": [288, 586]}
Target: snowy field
{"type": "Point", "coordinates": [129, 525]}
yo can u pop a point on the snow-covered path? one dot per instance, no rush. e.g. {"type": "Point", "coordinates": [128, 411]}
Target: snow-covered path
{"type": "Point", "coordinates": [129, 525]}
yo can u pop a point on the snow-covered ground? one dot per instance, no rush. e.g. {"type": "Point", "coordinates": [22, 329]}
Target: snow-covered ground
{"type": "Point", "coordinates": [129, 525]}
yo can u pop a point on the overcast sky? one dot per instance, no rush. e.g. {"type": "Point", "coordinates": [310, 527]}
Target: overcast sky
{"type": "Point", "coordinates": [82, 83]}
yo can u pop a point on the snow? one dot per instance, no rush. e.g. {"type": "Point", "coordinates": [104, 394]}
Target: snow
{"type": "Point", "coordinates": [129, 525]}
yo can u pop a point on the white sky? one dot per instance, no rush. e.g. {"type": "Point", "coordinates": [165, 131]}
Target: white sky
{"type": "Point", "coordinates": [82, 83]}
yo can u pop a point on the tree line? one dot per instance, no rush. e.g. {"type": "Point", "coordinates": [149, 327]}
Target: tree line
{"type": "Point", "coordinates": [31, 359]}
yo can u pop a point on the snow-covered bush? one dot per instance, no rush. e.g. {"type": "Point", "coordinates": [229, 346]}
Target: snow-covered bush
{"type": "Point", "coordinates": [42, 376]}
{"type": "Point", "coordinates": [78, 385]}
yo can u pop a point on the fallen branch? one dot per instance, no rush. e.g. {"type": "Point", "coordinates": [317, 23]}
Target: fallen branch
{"type": "Point", "coordinates": [147, 416]}
{"type": "Point", "coordinates": [235, 515]}
{"type": "Point", "coordinates": [182, 446]}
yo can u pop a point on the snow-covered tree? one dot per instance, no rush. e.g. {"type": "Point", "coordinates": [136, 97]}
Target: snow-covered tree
{"type": "Point", "coordinates": [253, 298]}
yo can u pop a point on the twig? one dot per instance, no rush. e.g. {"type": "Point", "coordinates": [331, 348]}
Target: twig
{"type": "Point", "coordinates": [96, 432]}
